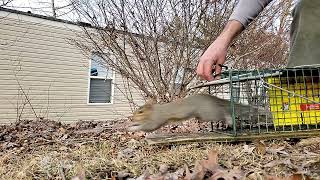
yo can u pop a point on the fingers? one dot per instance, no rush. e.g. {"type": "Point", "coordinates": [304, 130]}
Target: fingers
{"type": "Point", "coordinates": [207, 70]}
{"type": "Point", "coordinates": [214, 55]}
{"type": "Point", "coordinates": [204, 69]}
{"type": "Point", "coordinates": [217, 70]}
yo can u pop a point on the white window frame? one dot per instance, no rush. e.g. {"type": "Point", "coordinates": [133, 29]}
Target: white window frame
{"type": "Point", "coordinates": [96, 77]}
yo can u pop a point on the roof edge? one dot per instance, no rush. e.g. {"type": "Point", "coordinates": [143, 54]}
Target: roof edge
{"type": "Point", "coordinates": [50, 18]}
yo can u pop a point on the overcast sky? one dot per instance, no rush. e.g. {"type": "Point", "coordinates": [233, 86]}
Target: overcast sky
{"type": "Point", "coordinates": [43, 7]}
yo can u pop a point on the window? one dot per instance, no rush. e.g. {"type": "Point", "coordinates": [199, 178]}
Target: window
{"type": "Point", "coordinates": [100, 82]}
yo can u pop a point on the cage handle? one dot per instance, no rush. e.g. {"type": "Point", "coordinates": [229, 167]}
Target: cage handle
{"type": "Point", "coordinates": [222, 66]}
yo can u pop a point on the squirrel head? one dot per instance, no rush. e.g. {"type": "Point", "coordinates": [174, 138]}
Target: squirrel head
{"type": "Point", "coordinates": [142, 113]}
{"type": "Point", "coordinates": [141, 118]}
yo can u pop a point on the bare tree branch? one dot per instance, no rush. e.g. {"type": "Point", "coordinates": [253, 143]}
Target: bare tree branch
{"type": "Point", "coordinates": [5, 2]}
{"type": "Point", "coordinates": [156, 43]}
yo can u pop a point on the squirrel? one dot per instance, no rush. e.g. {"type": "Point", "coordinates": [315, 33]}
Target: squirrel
{"type": "Point", "coordinates": [204, 107]}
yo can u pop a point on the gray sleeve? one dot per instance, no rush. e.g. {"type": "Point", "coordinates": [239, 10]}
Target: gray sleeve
{"type": "Point", "coordinates": [247, 10]}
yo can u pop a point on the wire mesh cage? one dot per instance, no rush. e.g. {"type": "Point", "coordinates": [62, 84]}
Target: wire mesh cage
{"type": "Point", "coordinates": [279, 100]}
{"type": "Point", "coordinates": [264, 104]}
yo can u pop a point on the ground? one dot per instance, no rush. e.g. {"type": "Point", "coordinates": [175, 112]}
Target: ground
{"type": "Point", "coordinates": [104, 150]}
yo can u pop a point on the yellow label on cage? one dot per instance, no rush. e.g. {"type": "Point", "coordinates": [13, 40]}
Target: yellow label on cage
{"type": "Point", "coordinates": [294, 107]}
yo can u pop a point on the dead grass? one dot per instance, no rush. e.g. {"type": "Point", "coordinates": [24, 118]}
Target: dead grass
{"type": "Point", "coordinates": [101, 158]}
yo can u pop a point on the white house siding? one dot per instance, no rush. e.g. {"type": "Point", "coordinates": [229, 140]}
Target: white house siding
{"type": "Point", "coordinates": [53, 73]}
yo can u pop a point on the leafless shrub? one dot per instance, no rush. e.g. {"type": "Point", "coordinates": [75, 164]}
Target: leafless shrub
{"type": "Point", "coordinates": [155, 45]}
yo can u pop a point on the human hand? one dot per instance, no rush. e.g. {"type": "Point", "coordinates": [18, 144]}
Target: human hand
{"type": "Point", "coordinates": [214, 55]}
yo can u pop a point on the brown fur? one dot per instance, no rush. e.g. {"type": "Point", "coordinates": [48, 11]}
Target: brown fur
{"type": "Point", "coordinates": [204, 107]}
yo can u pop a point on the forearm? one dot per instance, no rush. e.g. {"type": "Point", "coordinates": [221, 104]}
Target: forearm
{"type": "Point", "coordinates": [244, 13]}
{"type": "Point", "coordinates": [216, 53]}
{"type": "Point", "coordinates": [230, 32]}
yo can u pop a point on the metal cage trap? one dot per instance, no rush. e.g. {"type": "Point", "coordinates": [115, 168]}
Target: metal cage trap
{"type": "Point", "coordinates": [284, 100]}
{"type": "Point", "coordinates": [283, 103]}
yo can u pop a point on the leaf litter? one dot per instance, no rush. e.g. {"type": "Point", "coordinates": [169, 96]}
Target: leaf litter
{"type": "Point", "coordinates": [104, 150]}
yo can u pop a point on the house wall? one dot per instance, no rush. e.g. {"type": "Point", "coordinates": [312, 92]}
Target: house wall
{"type": "Point", "coordinates": [35, 53]}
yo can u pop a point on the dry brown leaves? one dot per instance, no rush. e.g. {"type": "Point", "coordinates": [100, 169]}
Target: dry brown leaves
{"type": "Point", "coordinates": [27, 135]}
{"type": "Point", "coordinates": [107, 152]}
{"type": "Point", "coordinates": [211, 170]}
{"type": "Point", "coordinates": [212, 167]}
{"type": "Point", "coordinates": [260, 147]}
